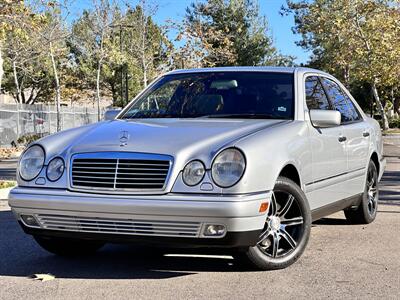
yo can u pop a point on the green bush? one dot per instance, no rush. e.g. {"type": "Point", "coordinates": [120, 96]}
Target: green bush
{"type": "Point", "coordinates": [27, 139]}
{"type": "Point", "coordinates": [394, 123]}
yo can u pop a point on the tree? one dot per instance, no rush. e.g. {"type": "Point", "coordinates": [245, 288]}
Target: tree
{"type": "Point", "coordinates": [358, 40]}
{"type": "Point", "coordinates": [17, 37]}
{"type": "Point", "coordinates": [133, 52]}
{"type": "Point", "coordinates": [53, 35]}
{"type": "Point", "coordinates": [146, 43]}
{"type": "Point", "coordinates": [92, 41]}
{"type": "Point", "coordinates": [10, 12]}
{"type": "Point", "coordinates": [228, 33]}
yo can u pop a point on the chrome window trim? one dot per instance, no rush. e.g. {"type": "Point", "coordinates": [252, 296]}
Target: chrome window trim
{"type": "Point", "coordinates": [120, 155]}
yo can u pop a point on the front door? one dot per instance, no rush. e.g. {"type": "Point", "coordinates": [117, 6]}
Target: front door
{"type": "Point", "coordinates": [329, 157]}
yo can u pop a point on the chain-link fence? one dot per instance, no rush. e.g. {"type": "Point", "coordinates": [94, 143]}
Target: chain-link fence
{"type": "Point", "coordinates": [18, 120]}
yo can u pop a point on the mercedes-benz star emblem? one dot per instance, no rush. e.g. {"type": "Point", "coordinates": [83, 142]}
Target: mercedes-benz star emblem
{"type": "Point", "coordinates": [123, 138]}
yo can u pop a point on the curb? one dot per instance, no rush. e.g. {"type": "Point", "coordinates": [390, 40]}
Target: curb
{"type": "Point", "coordinates": [4, 193]}
{"type": "Point", "coordinates": [9, 159]}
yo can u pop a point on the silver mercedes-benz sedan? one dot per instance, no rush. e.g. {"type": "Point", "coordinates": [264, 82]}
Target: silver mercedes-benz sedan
{"type": "Point", "coordinates": [243, 158]}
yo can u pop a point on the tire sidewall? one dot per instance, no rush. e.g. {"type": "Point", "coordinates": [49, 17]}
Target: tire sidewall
{"type": "Point", "coordinates": [369, 218]}
{"type": "Point", "coordinates": [266, 262]}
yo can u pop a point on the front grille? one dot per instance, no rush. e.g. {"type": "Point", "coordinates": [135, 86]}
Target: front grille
{"type": "Point", "coordinates": [119, 226]}
{"type": "Point", "coordinates": [119, 173]}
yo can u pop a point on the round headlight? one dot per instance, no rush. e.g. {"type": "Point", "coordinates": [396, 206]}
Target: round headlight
{"type": "Point", "coordinates": [31, 163]}
{"type": "Point", "coordinates": [193, 173]}
{"type": "Point", "coordinates": [228, 167]}
{"type": "Point", "coordinates": [55, 169]}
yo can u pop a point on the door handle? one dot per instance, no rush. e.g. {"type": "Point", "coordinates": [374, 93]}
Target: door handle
{"type": "Point", "coordinates": [365, 134]}
{"type": "Point", "coordinates": [342, 139]}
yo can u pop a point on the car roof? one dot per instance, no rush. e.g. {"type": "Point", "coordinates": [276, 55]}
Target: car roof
{"type": "Point", "coordinates": [246, 69]}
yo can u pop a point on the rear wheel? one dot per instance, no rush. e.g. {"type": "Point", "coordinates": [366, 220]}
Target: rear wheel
{"type": "Point", "coordinates": [365, 213]}
{"type": "Point", "coordinates": [286, 231]}
{"type": "Point", "coordinates": [68, 247]}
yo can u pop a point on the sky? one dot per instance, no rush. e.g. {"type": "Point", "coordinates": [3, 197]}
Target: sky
{"type": "Point", "coordinates": [280, 26]}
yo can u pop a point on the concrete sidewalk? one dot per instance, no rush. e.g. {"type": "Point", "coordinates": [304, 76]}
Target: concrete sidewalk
{"type": "Point", "coordinates": [391, 145]}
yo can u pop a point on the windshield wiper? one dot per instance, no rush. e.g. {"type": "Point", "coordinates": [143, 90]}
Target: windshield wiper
{"type": "Point", "coordinates": [245, 116]}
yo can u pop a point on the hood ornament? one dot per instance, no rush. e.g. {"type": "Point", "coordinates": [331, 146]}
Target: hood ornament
{"type": "Point", "coordinates": [123, 138]}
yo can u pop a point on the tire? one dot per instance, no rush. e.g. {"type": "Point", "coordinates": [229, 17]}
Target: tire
{"type": "Point", "coordinates": [365, 213]}
{"type": "Point", "coordinates": [290, 206]}
{"type": "Point", "coordinates": [68, 247]}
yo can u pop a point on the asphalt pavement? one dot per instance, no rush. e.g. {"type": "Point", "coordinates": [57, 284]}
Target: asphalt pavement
{"type": "Point", "coordinates": [341, 261]}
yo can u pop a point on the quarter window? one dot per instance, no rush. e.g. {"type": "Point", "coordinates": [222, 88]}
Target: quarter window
{"type": "Point", "coordinates": [315, 95]}
{"type": "Point", "coordinates": [353, 110]}
{"type": "Point", "coordinates": [338, 100]}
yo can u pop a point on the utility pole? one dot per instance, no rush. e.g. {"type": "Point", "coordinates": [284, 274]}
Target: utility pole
{"type": "Point", "coordinates": [124, 67]}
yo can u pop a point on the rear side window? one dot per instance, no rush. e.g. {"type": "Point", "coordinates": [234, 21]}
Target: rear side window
{"type": "Point", "coordinates": [315, 94]}
{"type": "Point", "coordinates": [338, 100]}
{"type": "Point", "coordinates": [353, 110]}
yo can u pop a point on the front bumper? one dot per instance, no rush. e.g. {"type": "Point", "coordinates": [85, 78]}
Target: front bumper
{"type": "Point", "coordinates": [177, 218]}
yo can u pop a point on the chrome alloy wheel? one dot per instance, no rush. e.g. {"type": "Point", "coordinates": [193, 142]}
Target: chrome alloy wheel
{"type": "Point", "coordinates": [284, 226]}
{"type": "Point", "coordinates": [372, 191]}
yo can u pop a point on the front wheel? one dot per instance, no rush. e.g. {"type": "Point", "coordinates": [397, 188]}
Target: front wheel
{"type": "Point", "coordinates": [365, 213]}
{"type": "Point", "coordinates": [286, 231]}
{"type": "Point", "coordinates": [68, 247]}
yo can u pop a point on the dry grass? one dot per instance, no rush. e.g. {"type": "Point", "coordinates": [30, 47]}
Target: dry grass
{"type": "Point", "coordinates": [10, 152]}
{"type": "Point", "coordinates": [391, 131]}
{"type": "Point", "coordinates": [6, 184]}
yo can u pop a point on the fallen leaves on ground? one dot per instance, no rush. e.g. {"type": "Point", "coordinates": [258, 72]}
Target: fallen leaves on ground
{"type": "Point", "coordinates": [10, 152]}
{"type": "Point", "coordinates": [7, 184]}
{"type": "Point", "coordinates": [42, 277]}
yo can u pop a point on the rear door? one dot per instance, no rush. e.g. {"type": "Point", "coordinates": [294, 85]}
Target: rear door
{"type": "Point", "coordinates": [329, 158]}
{"type": "Point", "coordinates": [356, 133]}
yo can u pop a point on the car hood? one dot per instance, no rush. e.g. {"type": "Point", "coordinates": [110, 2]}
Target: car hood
{"type": "Point", "coordinates": [183, 138]}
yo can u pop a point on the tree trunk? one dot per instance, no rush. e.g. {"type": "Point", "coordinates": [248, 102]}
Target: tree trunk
{"type": "Point", "coordinates": [346, 75]}
{"type": "Point", "coordinates": [385, 122]}
{"type": "Point", "coordinates": [98, 89]}
{"type": "Point", "coordinates": [396, 102]}
{"type": "Point", "coordinates": [1, 67]}
{"type": "Point", "coordinates": [143, 50]}
{"type": "Point", "coordinates": [16, 82]}
{"type": "Point", "coordinates": [113, 93]}
{"type": "Point", "coordinates": [58, 89]}
{"type": "Point", "coordinates": [144, 72]}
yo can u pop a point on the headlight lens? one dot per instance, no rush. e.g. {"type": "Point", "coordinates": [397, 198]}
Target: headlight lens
{"type": "Point", "coordinates": [31, 163]}
{"type": "Point", "coordinates": [55, 169]}
{"type": "Point", "coordinates": [193, 173]}
{"type": "Point", "coordinates": [228, 167]}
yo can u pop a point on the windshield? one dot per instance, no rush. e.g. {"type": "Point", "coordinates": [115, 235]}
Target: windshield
{"type": "Point", "coordinates": [217, 95]}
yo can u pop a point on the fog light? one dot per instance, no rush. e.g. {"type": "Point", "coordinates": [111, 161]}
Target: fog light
{"type": "Point", "coordinates": [29, 220]}
{"type": "Point", "coordinates": [214, 230]}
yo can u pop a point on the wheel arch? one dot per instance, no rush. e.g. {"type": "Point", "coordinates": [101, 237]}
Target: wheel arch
{"type": "Point", "coordinates": [375, 159]}
{"type": "Point", "coordinates": [290, 171]}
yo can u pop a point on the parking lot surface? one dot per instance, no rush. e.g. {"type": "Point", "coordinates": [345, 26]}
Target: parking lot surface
{"type": "Point", "coordinates": [341, 261]}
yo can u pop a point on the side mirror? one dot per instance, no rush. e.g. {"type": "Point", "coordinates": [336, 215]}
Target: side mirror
{"type": "Point", "coordinates": [325, 118]}
{"type": "Point", "coordinates": [111, 114]}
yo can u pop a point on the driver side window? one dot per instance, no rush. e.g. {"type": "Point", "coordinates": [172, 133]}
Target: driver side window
{"type": "Point", "coordinates": [339, 101]}
{"type": "Point", "coordinates": [315, 94]}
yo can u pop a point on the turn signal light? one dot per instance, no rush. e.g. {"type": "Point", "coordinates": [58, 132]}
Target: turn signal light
{"type": "Point", "coordinates": [263, 207]}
